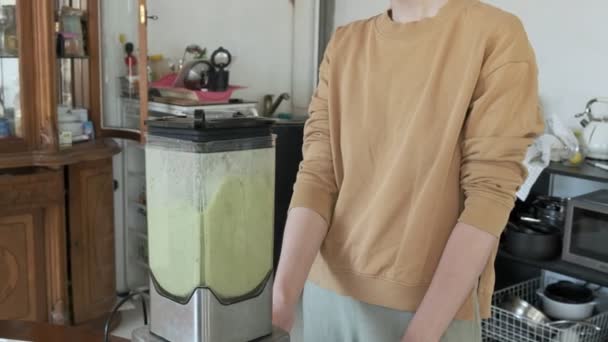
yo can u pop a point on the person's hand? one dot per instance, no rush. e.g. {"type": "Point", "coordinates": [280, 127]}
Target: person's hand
{"type": "Point", "coordinates": [283, 312]}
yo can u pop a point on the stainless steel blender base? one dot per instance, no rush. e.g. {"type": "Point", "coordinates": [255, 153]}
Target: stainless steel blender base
{"type": "Point", "coordinates": [143, 335]}
{"type": "Point", "coordinates": [205, 319]}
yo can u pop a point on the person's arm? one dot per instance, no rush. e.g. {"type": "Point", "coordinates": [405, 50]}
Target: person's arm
{"type": "Point", "coordinates": [304, 233]}
{"type": "Point", "coordinates": [312, 204]}
{"type": "Point", "coordinates": [463, 260]}
{"type": "Point", "coordinates": [503, 121]}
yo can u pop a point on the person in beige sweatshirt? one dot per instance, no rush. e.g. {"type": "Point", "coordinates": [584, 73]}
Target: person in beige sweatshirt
{"type": "Point", "coordinates": [412, 157]}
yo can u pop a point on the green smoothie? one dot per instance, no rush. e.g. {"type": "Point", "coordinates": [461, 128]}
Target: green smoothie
{"type": "Point", "coordinates": [210, 220]}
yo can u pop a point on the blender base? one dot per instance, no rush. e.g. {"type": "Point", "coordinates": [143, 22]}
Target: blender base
{"type": "Point", "coordinates": [205, 319]}
{"type": "Point", "coordinates": [143, 335]}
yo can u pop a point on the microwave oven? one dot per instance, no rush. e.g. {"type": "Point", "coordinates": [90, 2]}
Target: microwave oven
{"type": "Point", "coordinates": [586, 231]}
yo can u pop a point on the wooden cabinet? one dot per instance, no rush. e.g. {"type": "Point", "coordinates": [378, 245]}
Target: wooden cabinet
{"type": "Point", "coordinates": [33, 280]}
{"type": "Point", "coordinates": [91, 223]}
{"type": "Point", "coordinates": [57, 243]}
{"type": "Point", "coordinates": [56, 204]}
{"type": "Point", "coordinates": [22, 271]}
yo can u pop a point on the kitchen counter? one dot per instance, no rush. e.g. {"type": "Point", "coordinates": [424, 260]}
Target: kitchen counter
{"type": "Point", "coordinates": [143, 335]}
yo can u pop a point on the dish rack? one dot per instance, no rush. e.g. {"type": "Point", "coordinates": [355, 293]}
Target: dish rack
{"type": "Point", "coordinates": [504, 326]}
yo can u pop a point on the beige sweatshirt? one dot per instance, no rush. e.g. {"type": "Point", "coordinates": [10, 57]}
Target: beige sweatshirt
{"type": "Point", "coordinates": [413, 128]}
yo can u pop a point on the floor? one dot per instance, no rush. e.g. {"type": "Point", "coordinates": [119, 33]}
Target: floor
{"type": "Point", "coordinates": [132, 318]}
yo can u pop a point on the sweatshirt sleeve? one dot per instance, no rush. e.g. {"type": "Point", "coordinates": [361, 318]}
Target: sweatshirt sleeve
{"type": "Point", "coordinates": [315, 186]}
{"type": "Point", "coordinates": [503, 120]}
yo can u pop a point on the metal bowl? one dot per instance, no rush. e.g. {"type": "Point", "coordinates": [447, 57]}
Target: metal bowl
{"type": "Point", "coordinates": [525, 311]}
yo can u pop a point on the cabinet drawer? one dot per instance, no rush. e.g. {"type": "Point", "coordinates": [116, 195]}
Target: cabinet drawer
{"type": "Point", "coordinates": [31, 188]}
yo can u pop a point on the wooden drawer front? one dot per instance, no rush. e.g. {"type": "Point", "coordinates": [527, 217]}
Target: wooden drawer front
{"type": "Point", "coordinates": [31, 190]}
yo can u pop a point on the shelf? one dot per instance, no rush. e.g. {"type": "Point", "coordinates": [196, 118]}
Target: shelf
{"type": "Point", "coordinates": [139, 232]}
{"type": "Point", "coordinates": [561, 266]}
{"type": "Point", "coordinates": [584, 171]}
{"type": "Point", "coordinates": [138, 174]}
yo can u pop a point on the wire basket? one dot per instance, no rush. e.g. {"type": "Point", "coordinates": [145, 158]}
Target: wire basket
{"type": "Point", "coordinates": [504, 326]}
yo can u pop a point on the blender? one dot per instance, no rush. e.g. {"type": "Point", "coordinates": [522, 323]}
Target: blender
{"type": "Point", "coordinates": [210, 198]}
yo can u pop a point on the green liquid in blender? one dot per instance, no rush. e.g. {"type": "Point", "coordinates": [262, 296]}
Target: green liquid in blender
{"type": "Point", "coordinates": [210, 220]}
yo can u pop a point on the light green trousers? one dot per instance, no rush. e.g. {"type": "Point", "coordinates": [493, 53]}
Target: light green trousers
{"type": "Point", "coordinates": [324, 316]}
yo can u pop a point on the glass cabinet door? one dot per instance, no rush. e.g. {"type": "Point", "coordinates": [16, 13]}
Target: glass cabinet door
{"type": "Point", "coordinates": [98, 54]}
{"type": "Point", "coordinates": [123, 56]}
{"type": "Point", "coordinates": [13, 130]}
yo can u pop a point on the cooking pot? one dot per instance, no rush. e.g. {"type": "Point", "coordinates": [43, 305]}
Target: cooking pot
{"type": "Point", "coordinates": [568, 301]}
{"type": "Point", "coordinates": [551, 210]}
{"type": "Point", "coordinates": [533, 241]}
{"type": "Point", "coordinates": [595, 132]}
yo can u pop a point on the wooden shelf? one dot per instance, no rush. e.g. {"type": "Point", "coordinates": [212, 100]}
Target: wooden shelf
{"type": "Point", "coordinates": [86, 151]}
{"type": "Point", "coordinates": [561, 266]}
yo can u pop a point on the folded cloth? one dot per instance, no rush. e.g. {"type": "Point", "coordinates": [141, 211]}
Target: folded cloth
{"type": "Point", "coordinates": [537, 159]}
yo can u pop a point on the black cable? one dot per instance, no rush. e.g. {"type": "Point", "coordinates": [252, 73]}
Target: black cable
{"type": "Point", "coordinates": [106, 329]}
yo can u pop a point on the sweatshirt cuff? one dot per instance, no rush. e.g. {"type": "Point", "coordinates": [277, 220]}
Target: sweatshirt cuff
{"type": "Point", "coordinates": [486, 214]}
{"type": "Point", "coordinates": [313, 198]}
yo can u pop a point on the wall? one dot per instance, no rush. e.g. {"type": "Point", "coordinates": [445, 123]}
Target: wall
{"type": "Point", "coordinates": [258, 33]}
{"type": "Point", "coordinates": [571, 49]}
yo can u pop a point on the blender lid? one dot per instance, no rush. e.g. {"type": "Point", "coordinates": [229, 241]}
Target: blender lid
{"type": "Point", "coordinates": [200, 129]}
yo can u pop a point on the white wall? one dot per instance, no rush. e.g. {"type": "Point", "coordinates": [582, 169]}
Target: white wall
{"type": "Point", "coordinates": [572, 50]}
{"type": "Point", "coordinates": [569, 38]}
{"type": "Point", "coordinates": [258, 33]}
{"type": "Point", "coordinates": [350, 10]}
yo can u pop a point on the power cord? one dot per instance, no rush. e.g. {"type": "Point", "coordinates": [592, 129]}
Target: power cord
{"type": "Point", "coordinates": [143, 296]}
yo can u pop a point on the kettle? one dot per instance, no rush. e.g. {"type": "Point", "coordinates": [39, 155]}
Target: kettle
{"type": "Point", "coordinates": [595, 133]}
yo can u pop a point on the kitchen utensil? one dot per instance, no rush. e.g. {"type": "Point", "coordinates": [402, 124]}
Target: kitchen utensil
{"type": "Point", "coordinates": [569, 292]}
{"type": "Point", "coordinates": [573, 331]}
{"type": "Point", "coordinates": [194, 75]}
{"type": "Point", "coordinates": [551, 210]}
{"type": "Point", "coordinates": [535, 319]}
{"type": "Point", "coordinates": [603, 166]}
{"type": "Point", "coordinates": [219, 77]}
{"type": "Point", "coordinates": [595, 133]}
{"type": "Point", "coordinates": [211, 177]}
{"type": "Point", "coordinates": [567, 300]}
{"type": "Point", "coordinates": [565, 311]}
{"type": "Point", "coordinates": [524, 310]}
{"type": "Point", "coordinates": [521, 240]}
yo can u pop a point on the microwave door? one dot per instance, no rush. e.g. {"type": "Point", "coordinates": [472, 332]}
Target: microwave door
{"type": "Point", "coordinates": [587, 243]}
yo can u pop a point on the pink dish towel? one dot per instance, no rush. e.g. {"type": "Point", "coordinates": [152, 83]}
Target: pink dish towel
{"type": "Point", "coordinates": [203, 95]}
